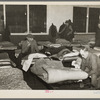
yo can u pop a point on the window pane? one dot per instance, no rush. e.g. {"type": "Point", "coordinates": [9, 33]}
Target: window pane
{"type": "Point", "coordinates": [16, 17]}
{"type": "Point", "coordinates": [37, 18]}
{"type": "Point", "coordinates": [93, 19]}
{"type": "Point", "coordinates": [1, 11]}
{"type": "Point", "coordinates": [1, 19]}
{"type": "Point", "coordinates": [79, 19]}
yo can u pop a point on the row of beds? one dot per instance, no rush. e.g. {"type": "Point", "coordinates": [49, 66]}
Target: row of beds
{"type": "Point", "coordinates": [49, 75]}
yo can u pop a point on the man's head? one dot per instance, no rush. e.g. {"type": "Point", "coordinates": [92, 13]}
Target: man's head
{"type": "Point", "coordinates": [84, 51]}
{"type": "Point", "coordinates": [29, 37]}
{"type": "Point", "coordinates": [67, 22]}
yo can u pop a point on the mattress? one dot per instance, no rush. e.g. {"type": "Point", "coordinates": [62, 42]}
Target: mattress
{"type": "Point", "coordinates": [7, 46]}
{"type": "Point", "coordinates": [54, 71]}
{"type": "Point", "coordinates": [5, 60]}
{"type": "Point", "coordinates": [57, 75]}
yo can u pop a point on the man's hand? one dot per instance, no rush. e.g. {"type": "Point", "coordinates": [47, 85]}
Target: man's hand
{"type": "Point", "coordinates": [74, 63]}
{"type": "Point", "coordinates": [28, 43]}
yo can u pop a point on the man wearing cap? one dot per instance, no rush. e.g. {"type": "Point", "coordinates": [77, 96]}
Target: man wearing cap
{"type": "Point", "coordinates": [29, 45]}
{"type": "Point", "coordinates": [91, 64]}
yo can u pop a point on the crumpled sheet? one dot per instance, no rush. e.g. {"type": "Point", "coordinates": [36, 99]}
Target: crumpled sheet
{"type": "Point", "coordinates": [71, 56]}
{"type": "Point", "coordinates": [53, 71]}
{"type": "Point", "coordinates": [27, 62]}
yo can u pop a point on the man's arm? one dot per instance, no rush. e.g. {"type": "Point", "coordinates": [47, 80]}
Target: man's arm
{"type": "Point", "coordinates": [63, 30]}
{"type": "Point", "coordinates": [83, 66]}
{"type": "Point", "coordinates": [93, 65]}
{"type": "Point", "coordinates": [25, 47]}
{"type": "Point", "coordinates": [34, 46]}
{"type": "Point", "coordinates": [71, 30]}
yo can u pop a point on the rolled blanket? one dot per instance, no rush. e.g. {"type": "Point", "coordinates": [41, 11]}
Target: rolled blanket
{"type": "Point", "coordinates": [54, 71]}
{"type": "Point", "coordinates": [57, 75]}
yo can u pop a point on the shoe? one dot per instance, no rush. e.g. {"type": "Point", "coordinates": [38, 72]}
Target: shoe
{"type": "Point", "coordinates": [92, 87]}
{"type": "Point", "coordinates": [81, 85]}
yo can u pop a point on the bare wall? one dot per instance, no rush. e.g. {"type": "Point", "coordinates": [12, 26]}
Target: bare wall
{"type": "Point", "coordinates": [58, 14]}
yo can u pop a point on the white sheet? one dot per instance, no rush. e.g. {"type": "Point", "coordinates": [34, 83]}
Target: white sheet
{"type": "Point", "coordinates": [26, 63]}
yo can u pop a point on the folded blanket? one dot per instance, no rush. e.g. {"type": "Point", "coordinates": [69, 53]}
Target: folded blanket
{"type": "Point", "coordinates": [71, 54]}
{"type": "Point", "coordinates": [6, 43]}
{"type": "Point", "coordinates": [70, 58]}
{"type": "Point", "coordinates": [5, 61]}
{"type": "Point", "coordinates": [57, 75]}
{"type": "Point", "coordinates": [54, 45]}
{"type": "Point", "coordinates": [53, 71]}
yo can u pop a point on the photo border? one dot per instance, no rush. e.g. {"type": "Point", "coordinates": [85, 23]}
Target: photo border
{"type": "Point", "coordinates": [10, 92]}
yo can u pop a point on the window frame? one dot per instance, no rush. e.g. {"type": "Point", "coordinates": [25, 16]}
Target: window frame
{"type": "Point", "coordinates": [27, 5]}
{"type": "Point", "coordinates": [87, 21]}
{"type": "Point", "coordinates": [43, 33]}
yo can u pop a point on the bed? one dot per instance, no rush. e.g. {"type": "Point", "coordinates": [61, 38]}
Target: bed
{"type": "Point", "coordinates": [54, 71]}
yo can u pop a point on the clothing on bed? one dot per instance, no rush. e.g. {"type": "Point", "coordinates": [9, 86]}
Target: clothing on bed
{"type": "Point", "coordinates": [54, 50]}
{"type": "Point", "coordinates": [52, 33]}
{"type": "Point", "coordinates": [27, 62]}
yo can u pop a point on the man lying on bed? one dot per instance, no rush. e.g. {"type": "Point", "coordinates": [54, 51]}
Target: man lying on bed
{"type": "Point", "coordinates": [28, 46]}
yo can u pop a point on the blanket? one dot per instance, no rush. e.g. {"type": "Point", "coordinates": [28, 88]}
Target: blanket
{"type": "Point", "coordinates": [53, 71]}
{"type": "Point", "coordinates": [12, 79]}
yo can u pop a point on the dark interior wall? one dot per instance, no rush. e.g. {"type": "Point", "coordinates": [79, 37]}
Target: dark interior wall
{"type": "Point", "coordinates": [84, 37]}
{"type": "Point", "coordinates": [17, 38]}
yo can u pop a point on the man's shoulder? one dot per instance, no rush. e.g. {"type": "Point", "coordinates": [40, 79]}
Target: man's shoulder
{"type": "Point", "coordinates": [33, 41]}
{"type": "Point", "coordinates": [93, 56]}
{"type": "Point", "coordinates": [24, 41]}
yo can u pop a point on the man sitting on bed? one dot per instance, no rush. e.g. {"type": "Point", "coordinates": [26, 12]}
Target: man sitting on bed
{"type": "Point", "coordinates": [28, 46]}
{"type": "Point", "coordinates": [91, 64]}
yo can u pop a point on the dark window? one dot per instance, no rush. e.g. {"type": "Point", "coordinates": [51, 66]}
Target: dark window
{"type": "Point", "coordinates": [1, 11]}
{"type": "Point", "coordinates": [1, 19]}
{"type": "Point", "coordinates": [37, 18]}
{"type": "Point", "coordinates": [93, 19]}
{"type": "Point", "coordinates": [16, 18]}
{"type": "Point", "coordinates": [79, 19]}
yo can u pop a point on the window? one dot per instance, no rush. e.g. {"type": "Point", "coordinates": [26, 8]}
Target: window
{"type": "Point", "coordinates": [37, 18]}
{"type": "Point", "coordinates": [85, 19]}
{"type": "Point", "coordinates": [1, 11]}
{"type": "Point", "coordinates": [79, 19]}
{"type": "Point", "coordinates": [16, 18]}
{"type": "Point", "coordinates": [93, 19]}
{"type": "Point", "coordinates": [1, 19]}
